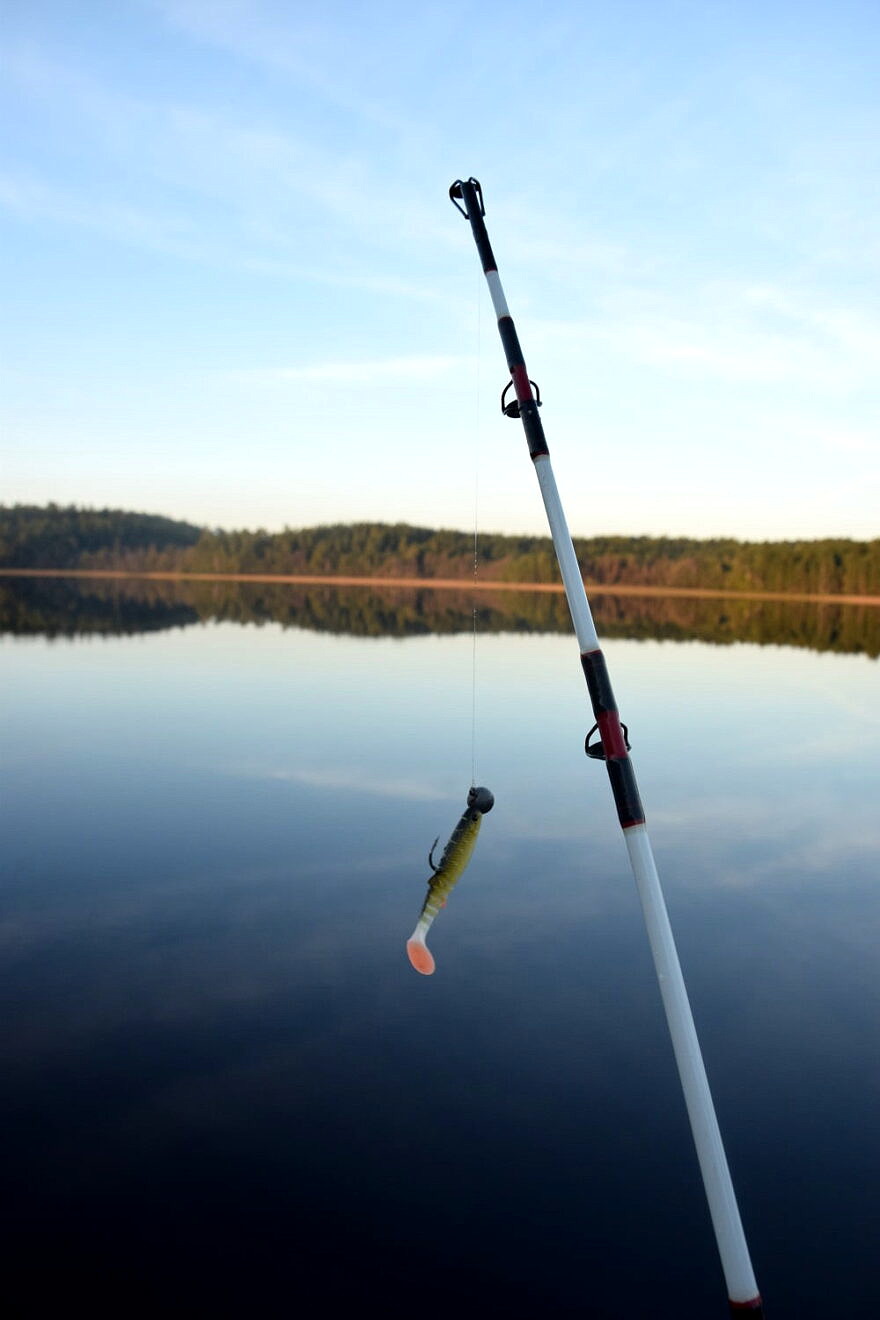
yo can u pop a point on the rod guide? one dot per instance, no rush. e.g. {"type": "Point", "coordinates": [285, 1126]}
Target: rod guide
{"type": "Point", "coordinates": [457, 195]}
{"type": "Point", "coordinates": [512, 409]}
{"type": "Point", "coordinates": [595, 750]}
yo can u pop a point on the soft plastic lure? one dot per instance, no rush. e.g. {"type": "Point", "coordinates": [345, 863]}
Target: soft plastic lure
{"type": "Point", "coordinates": [456, 856]}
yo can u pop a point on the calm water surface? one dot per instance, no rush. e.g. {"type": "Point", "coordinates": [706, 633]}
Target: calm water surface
{"type": "Point", "coordinates": [225, 1091]}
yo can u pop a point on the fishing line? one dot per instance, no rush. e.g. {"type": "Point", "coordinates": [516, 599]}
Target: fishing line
{"type": "Point", "coordinates": [476, 450]}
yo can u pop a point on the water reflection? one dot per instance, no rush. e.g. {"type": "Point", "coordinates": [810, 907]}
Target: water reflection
{"type": "Point", "coordinates": [59, 607]}
{"type": "Point", "coordinates": [222, 1083]}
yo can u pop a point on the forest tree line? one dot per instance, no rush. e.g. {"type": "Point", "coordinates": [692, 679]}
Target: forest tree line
{"type": "Point", "coordinates": [66, 537]}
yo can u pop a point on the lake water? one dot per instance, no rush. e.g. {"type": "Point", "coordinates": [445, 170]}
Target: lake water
{"type": "Point", "coordinates": [225, 1090]}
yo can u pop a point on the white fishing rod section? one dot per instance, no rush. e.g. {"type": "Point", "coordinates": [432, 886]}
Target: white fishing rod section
{"type": "Point", "coordinates": [612, 746]}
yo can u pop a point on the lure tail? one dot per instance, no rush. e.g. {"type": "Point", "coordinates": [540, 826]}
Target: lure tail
{"type": "Point", "coordinates": [419, 954]}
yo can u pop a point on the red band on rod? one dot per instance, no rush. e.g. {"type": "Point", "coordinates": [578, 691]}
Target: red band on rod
{"type": "Point", "coordinates": [521, 383]}
{"type": "Point", "coordinates": [613, 741]}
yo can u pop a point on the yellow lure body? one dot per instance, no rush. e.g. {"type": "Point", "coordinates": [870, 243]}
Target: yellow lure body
{"type": "Point", "coordinates": [446, 875]}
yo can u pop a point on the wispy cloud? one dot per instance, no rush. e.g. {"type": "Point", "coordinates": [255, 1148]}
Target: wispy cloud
{"type": "Point", "coordinates": [287, 40]}
{"type": "Point", "coordinates": [234, 186]}
{"type": "Point", "coordinates": [34, 199]}
{"type": "Point", "coordinates": [729, 333]}
{"type": "Point", "coordinates": [397, 370]}
{"type": "Point", "coordinates": [177, 233]}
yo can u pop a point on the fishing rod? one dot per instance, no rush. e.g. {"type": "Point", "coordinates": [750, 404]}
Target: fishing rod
{"type": "Point", "coordinates": [612, 746]}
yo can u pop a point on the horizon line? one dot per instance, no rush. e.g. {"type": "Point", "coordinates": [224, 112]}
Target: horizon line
{"type": "Point", "coordinates": [443, 584]}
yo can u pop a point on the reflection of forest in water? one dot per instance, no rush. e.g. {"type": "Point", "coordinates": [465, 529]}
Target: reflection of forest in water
{"type": "Point", "coordinates": [59, 607]}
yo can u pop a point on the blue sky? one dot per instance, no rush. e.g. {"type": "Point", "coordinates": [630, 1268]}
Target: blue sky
{"type": "Point", "coordinates": [236, 291]}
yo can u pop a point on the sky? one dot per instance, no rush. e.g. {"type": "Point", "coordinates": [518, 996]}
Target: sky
{"type": "Point", "coordinates": [235, 290]}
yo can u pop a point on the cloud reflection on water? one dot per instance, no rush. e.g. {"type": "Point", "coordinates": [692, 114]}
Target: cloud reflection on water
{"type": "Point", "coordinates": [350, 782]}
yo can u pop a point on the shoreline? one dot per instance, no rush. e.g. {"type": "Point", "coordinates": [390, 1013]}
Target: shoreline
{"type": "Point", "coordinates": [438, 584]}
